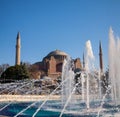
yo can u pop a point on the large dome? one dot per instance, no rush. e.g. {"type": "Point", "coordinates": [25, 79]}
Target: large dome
{"type": "Point", "coordinates": [57, 52]}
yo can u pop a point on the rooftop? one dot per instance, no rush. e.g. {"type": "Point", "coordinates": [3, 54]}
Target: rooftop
{"type": "Point", "coordinates": [57, 52]}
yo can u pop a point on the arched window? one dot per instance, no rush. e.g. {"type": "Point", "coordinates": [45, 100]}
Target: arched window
{"type": "Point", "coordinates": [59, 67]}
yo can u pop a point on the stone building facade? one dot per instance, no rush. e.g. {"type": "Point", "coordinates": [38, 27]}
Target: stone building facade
{"type": "Point", "coordinates": [51, 65]}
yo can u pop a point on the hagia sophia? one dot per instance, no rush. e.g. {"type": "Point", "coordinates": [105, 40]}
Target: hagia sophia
{"type": "Point", "coordinates": [51, 65]}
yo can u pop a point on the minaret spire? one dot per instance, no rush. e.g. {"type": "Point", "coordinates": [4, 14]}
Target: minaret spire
{"type": "Point", "coordinates": [100, 57]}
{"type": "Point", "coordinates": [17, 59]}
{"type": "Point", "coordinates": [83, 62]}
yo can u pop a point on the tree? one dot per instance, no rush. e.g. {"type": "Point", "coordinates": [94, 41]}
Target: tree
{"type": "Point", "coordinates": [17, 72]}
{"type": "Point", "coordinates": [3, 67]}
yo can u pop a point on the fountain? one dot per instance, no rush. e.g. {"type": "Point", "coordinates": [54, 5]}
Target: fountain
{"type": "Point", "coordinates": [88, 65]}
{"type": "Point", "coordinates": [114, 66]}
{"type": "Point", "coordinates": [67, 73]}
{"type": "Point", "coordinates": [80, 91]}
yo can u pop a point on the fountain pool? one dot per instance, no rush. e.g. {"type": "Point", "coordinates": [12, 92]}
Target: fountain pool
{"type": "Point", "coordinates": [54, 108]}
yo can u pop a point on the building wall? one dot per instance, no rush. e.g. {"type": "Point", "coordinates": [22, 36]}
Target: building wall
{"type": "Point", "coordinates": [52, 65]}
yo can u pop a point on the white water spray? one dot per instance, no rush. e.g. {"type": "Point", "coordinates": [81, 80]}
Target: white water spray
{"type": "Point", "coordinates": [89, 57]}
{"type": "Point", "coordinates": [114, 66]}
{"type": "Point", "coordinates": [68, 74]}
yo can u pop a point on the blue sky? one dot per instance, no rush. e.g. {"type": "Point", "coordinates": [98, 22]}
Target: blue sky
{"type": "Point", "coordinates": [47, 25]}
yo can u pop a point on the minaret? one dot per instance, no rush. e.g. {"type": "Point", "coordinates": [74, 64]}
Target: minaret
{"type": "Point", "coordinates": [100, 57]}
{"type": "Point", "coordinates": [17, 59]}
{"type": "Point", "coordinates": [83, 62]}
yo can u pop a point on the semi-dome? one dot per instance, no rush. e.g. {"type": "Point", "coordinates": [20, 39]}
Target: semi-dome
{"type": "Point", "coordinates": [57, 52]}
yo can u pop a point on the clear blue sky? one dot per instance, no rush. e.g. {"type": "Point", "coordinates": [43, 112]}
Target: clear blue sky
{"type": "Point", "coordinates": [46, 25]}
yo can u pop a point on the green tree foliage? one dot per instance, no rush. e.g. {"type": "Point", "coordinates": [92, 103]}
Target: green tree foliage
{"type": "Point", "coordinates": [3, 67]}
{"type": "Point", "coordinates": [17, 72]}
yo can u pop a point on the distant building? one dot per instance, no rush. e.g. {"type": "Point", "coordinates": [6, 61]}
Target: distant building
{"type": "Point", "coordinates": [100, 58]}
{"type": "Point", "coordinates": [51, 65]}
{"type": "Point", "coordinates": [18, 46]}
